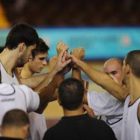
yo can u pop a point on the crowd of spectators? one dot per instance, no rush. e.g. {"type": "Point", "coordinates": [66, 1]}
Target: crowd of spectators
{"type": "Point", "coordinates": [73, 13]}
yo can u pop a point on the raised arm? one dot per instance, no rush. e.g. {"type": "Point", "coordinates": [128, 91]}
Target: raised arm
{"type": "Point", "coordinates": [47, 94]}
{"type": "Point", "coordinates": [79, 53]}
{"type": "Point", "coordinates": [32, 81]}
{"type": "Point", "coordinates": [61, 62]}
{"type": "Point", "coordinates": [101, 79]}
{"type": "Point", "coordinates": [62, 46]}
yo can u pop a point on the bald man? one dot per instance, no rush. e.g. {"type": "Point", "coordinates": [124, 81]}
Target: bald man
{"type": "Point", "coordinates": [113, 67]}
{"type": "Point", "coordinates": [105, 105]}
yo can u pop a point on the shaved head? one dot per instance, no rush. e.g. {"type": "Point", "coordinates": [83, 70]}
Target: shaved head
{"type": "Point", "coordinates": [113, 67]}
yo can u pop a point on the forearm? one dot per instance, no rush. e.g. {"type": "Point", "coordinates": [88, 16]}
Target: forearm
{"type": "Point", "coordinates": [33, 81]}
{"type": "Point", "coordinates": [103, 80]}
{"type": "Point", "coordinates": [45, 81]}
{"type": "Point", "coordinates": [45, 95]}
{"type": "Point", "coordinates": [49, 92]}
{"type": "Point", "coordinates": [76, 73]}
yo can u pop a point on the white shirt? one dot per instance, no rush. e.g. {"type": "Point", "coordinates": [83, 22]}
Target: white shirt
{"type": "Point", "coordinates": [131, 124]}
{"type": "Point", "coordinates": [17, 96]}
{"type": "Point", "coordinates": [109, 108]}
{"type": "Point", "coordinates": [6, 78]}
{"type": "Point", "coordinates": [38, 121]}
{"type": "Point", "coordinates": [38, 127]}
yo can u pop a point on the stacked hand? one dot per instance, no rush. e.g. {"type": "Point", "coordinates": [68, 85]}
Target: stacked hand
{"type": "Point", "coordinates": [64, 61]}
{"type": "Point", "coordinates": [77, 54]}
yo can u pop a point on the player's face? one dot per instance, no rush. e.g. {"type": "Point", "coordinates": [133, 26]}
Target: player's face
{"type": "Point", "coordinates": [25, 57]}
{"type": "Point", "coordinates": [114, 70]}
{"type": "Point", "coordinates": [37, 64]}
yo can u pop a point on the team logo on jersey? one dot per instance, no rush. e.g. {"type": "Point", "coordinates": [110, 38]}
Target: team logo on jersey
{"type": "Point", "coordinates": [7, 99]}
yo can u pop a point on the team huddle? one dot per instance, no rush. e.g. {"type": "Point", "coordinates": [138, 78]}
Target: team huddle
{"type": "Point", "coordinates": [113, 115]}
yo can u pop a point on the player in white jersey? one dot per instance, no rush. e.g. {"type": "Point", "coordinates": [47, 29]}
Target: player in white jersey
{"type": "Point", "coordinates": [108, 108]}
{"type": "Point", "coordinates": [131, 77]}
{"type": "Point", "coordinates": [35, 65]}
{"type": "Point", "coordinates": [105, 105]}
{"type": "Point", "coordinates": [6, 78]}
{"type": "Point", "coordinates": [17, 96]}
{"type": "Point", "coordinates": [131, 121]}
{"type": "Point", "coordinates": [19, 38]}
{"type": "Point", "coordinates": [131, 115]}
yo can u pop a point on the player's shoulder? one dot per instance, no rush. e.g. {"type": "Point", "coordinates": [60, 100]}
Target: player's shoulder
{"type": "Point", "coordinates": [6, 89]}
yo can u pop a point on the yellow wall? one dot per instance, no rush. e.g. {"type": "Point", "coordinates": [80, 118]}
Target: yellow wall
{"type": "Point", "coordinates": [3, 20]}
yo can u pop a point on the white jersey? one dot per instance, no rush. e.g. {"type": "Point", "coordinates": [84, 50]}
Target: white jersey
{"type": "Point", "coordinates": [131, 124]}
{"type": "Point", "coordinates": [38, 122]}
{"type": "Point", "coordinates": [6, 78]}
{"type": "Point", "coordinates": [109, 108]}
{"type": "Point", "coordinates": [38, 127]}
{"type": "Point", "coordinates": [17, 96]}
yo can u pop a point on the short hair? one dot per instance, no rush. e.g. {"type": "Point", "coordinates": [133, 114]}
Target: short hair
{"type": "Point", "coordinates": [133, 60]}
{"type": "Point", "coordinates": [1, 49]}
{"type": "Point", "coordinates": [21, 32]}
{"type": "Point", "coordinates": [41, 47]}
{"type": "Point", "coordinates": [71, 92]}
{"type": "Point", "coordinates": [15, 118]}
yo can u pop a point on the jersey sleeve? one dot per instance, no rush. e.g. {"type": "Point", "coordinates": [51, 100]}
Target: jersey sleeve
{"type": "Point", "coordinates": [32, 98]}
{"type": "Point", "coordinates": [104, 104]}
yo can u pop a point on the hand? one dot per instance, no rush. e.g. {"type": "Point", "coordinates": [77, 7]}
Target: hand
{"type": "Point", "coordinates": [65, 70]}
{"type": "Point", "coordinates": [52, 62]}
{"type": "Point", "coordinates": [61, 46]}
{"type": "Point", "coordinates": [74, 61]}
{"type": "Point", "coordinates": [89, 111]}
{"type": "Point", "coordinates": [61, 61]}
{"type": "Point", "coordinates": [78, 52]}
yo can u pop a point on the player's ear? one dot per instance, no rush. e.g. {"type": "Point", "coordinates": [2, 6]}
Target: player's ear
{"type": "Point", "coordinates": [128, 69]}
{"type": "Point", "coordinates": [22, 47]}
{"type": "Point", "coordinates": [30, 57]}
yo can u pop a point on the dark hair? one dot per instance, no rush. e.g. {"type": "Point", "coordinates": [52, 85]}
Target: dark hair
{"type": "Point", "coordinates": [41, 47]}
{"type": "Point", "coordinates": [15, 117]}
{"type": "Point", "coordinates": [133, 60]}
{"type": "Point", "coordinates": [71, 92]}
{"type": "Point", "coordinates": [21, 32]}
{"type": "Point", "coordinates": [1, 49]}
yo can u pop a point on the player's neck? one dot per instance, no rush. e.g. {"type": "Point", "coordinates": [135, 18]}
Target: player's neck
{"type": "Point", "coordinates": [26, 72]}
{"type": "Point", "coordinates": [76, 112]}
{"type": "Point", "coordinates": [5, 56]}
{"type": "Point", "coordinates": [13, 133]}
